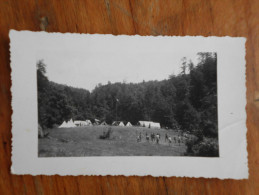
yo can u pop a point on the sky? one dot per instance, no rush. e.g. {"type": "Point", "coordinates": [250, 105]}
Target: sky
{"type": "Point", "coordinates": [86, 63]}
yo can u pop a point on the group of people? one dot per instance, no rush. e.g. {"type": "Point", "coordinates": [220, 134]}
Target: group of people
{"type": "Point", "coordinates": [156, 138]}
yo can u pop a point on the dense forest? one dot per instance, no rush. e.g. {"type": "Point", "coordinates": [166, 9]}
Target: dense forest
{"type": "Point", "coordinates": [187, 101]}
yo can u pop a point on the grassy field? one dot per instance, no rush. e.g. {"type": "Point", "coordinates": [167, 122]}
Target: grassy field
{"type": "Point", "coordinates": [85, 141]}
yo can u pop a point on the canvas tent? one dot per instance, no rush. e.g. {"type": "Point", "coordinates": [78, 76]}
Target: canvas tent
{"type": "Point", "coordinates": [70, 124]}
{"type": "Point", "coordinates": [88, 122]}
{"type": "Point", "coordinates": [96, 121]}
{"type": "Point", "coordinates": [118, 123]}
{"type": "Point", "coordinates": [128, 124]}
{"type": "Point", "coordinates": [149, 124]}
{"type": "Point", "coordinates": [144, 123]}
{"type": "Point", "coordinates": [155, 125]}
{"type": "Point", "coordinates": [103, 123]}
{"type": "Point", "coordinates": [121, 124]}
{"type": "Point", "coordinates": [80, 123]}
{"type": "Point", "coordinates": [63, 125]}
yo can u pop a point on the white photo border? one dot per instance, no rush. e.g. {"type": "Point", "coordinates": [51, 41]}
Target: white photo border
{"type": "Point", "coordinates": [231, 78]}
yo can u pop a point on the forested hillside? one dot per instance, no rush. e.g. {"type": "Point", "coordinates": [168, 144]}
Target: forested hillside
{"type": "Point", "coordinates": [187, 101]}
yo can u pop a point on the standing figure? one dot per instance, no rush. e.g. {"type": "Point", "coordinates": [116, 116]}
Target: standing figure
{"type": "Point", "coordinates": [152, 137]}
{"type": "Point", "coordinates": [169, 140]}
{"type": "Point", "coordinates": [157, 138]}
{"type": "Point", "coordinates": [138, 138]}
{"type": "Point", "coordinates": [147, 137]}
{"type": "Point", "coordinates": [166, 137]}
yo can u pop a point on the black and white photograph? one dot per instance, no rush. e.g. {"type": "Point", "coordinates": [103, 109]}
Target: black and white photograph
{"type": "Point", "coordinates": [133, 102]}
{"type": "Point", "coordinates": [125, 105]}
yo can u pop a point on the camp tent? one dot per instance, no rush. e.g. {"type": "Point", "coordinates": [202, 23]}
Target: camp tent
{"type": "Point", "coordinates": [118, 123]}
{"type": "Point", "coordinates": [80, 123]}
{"type": "Point", "coordinates": [77, 123]}
{"type": "Point", "coordinates": [96, 121]}
{"type": "Point", "coordinates": [128, 124]}
{"type": "Point", "coordinates": [121, 124]}
{"type": "Point", "coordinates": [70, 124]}
{"type": "Point", "coordinates": [155, 125]}
{"type": "Point", "coordinates": [149, 124]}
{"type": "Point", "coordinates": [144, 123]}
{"type": "Point", "coordinates": [103, 123]}
{"type": "Point", "coordinates": [88, 122]}
{"type": "Point", "coordinates": [63, 125]}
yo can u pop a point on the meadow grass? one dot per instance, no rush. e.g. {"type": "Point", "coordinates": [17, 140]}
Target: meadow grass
{"type": "Point", "coordinates": [85, 141]}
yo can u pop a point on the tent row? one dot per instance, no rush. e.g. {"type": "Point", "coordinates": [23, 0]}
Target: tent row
{"type": "Point", "coordinates": [72, 123]}
{"type": "Point", "coordinates": [121, 124]}
{"type": "Point", "coordinates": [82, 123]}
{"type": "Point", "coordinates": [68, 124]}
{"type": "Point", "coordinates": [148, 124]}
{"type": "Point", "coordinates": [78, 123]}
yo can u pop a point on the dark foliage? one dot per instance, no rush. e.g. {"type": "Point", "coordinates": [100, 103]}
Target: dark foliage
{"type": "Point", "coordinates": [207, 147]}
{"type": "Point", "coordinates": [190, 143]}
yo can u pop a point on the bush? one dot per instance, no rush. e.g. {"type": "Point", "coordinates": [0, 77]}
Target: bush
{"type": "Point", "coordinates": [55, 126]}
{"type": "Point", "coordinates": [207, 147]}
{"type": "Point", "coordinates": [106, 134]}
{"type": "Point", "coordinates": [199, 134]}
{"type": "Point", "coordinates": [190, 143]}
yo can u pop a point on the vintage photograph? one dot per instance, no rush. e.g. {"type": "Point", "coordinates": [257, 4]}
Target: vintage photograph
{"type": "Point", "coordinates": [127, 103]}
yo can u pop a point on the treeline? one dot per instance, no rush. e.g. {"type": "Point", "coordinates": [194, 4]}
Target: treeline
{"type": "Point", "coordinates": [187, 101]}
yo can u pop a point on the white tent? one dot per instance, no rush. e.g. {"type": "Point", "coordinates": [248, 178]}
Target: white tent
{"type": "Point", "coordinates": [70, 124]}
{"type": "Point", "coordinates": [121, 124]}
{"type": "Point", "coordinates": [149, 124]}
{"type": "Point", "coordinates": [155, 125]}
{"type": "Point", "coordinates": [63, 125]}
{"type": "Point", "coordinates": [128, 124]}
{"type": "Point", "coordinates": [103, 123]}
{"type": "Point", "coordinates": [118, 123]}
{"type": "Point", "coordinates": [88, 122]}
{"type": "Point", "coordinates": [80, 123]}
{"type": "Point", "coordinates": [96, 121]}
{"type": "Point", "coordinates": [144, 123]}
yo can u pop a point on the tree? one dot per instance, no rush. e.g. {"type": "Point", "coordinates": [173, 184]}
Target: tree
{"type": "Point", "coordinates": [184, 65]}
{"type": "Point", "coordinates": [41, 67]}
